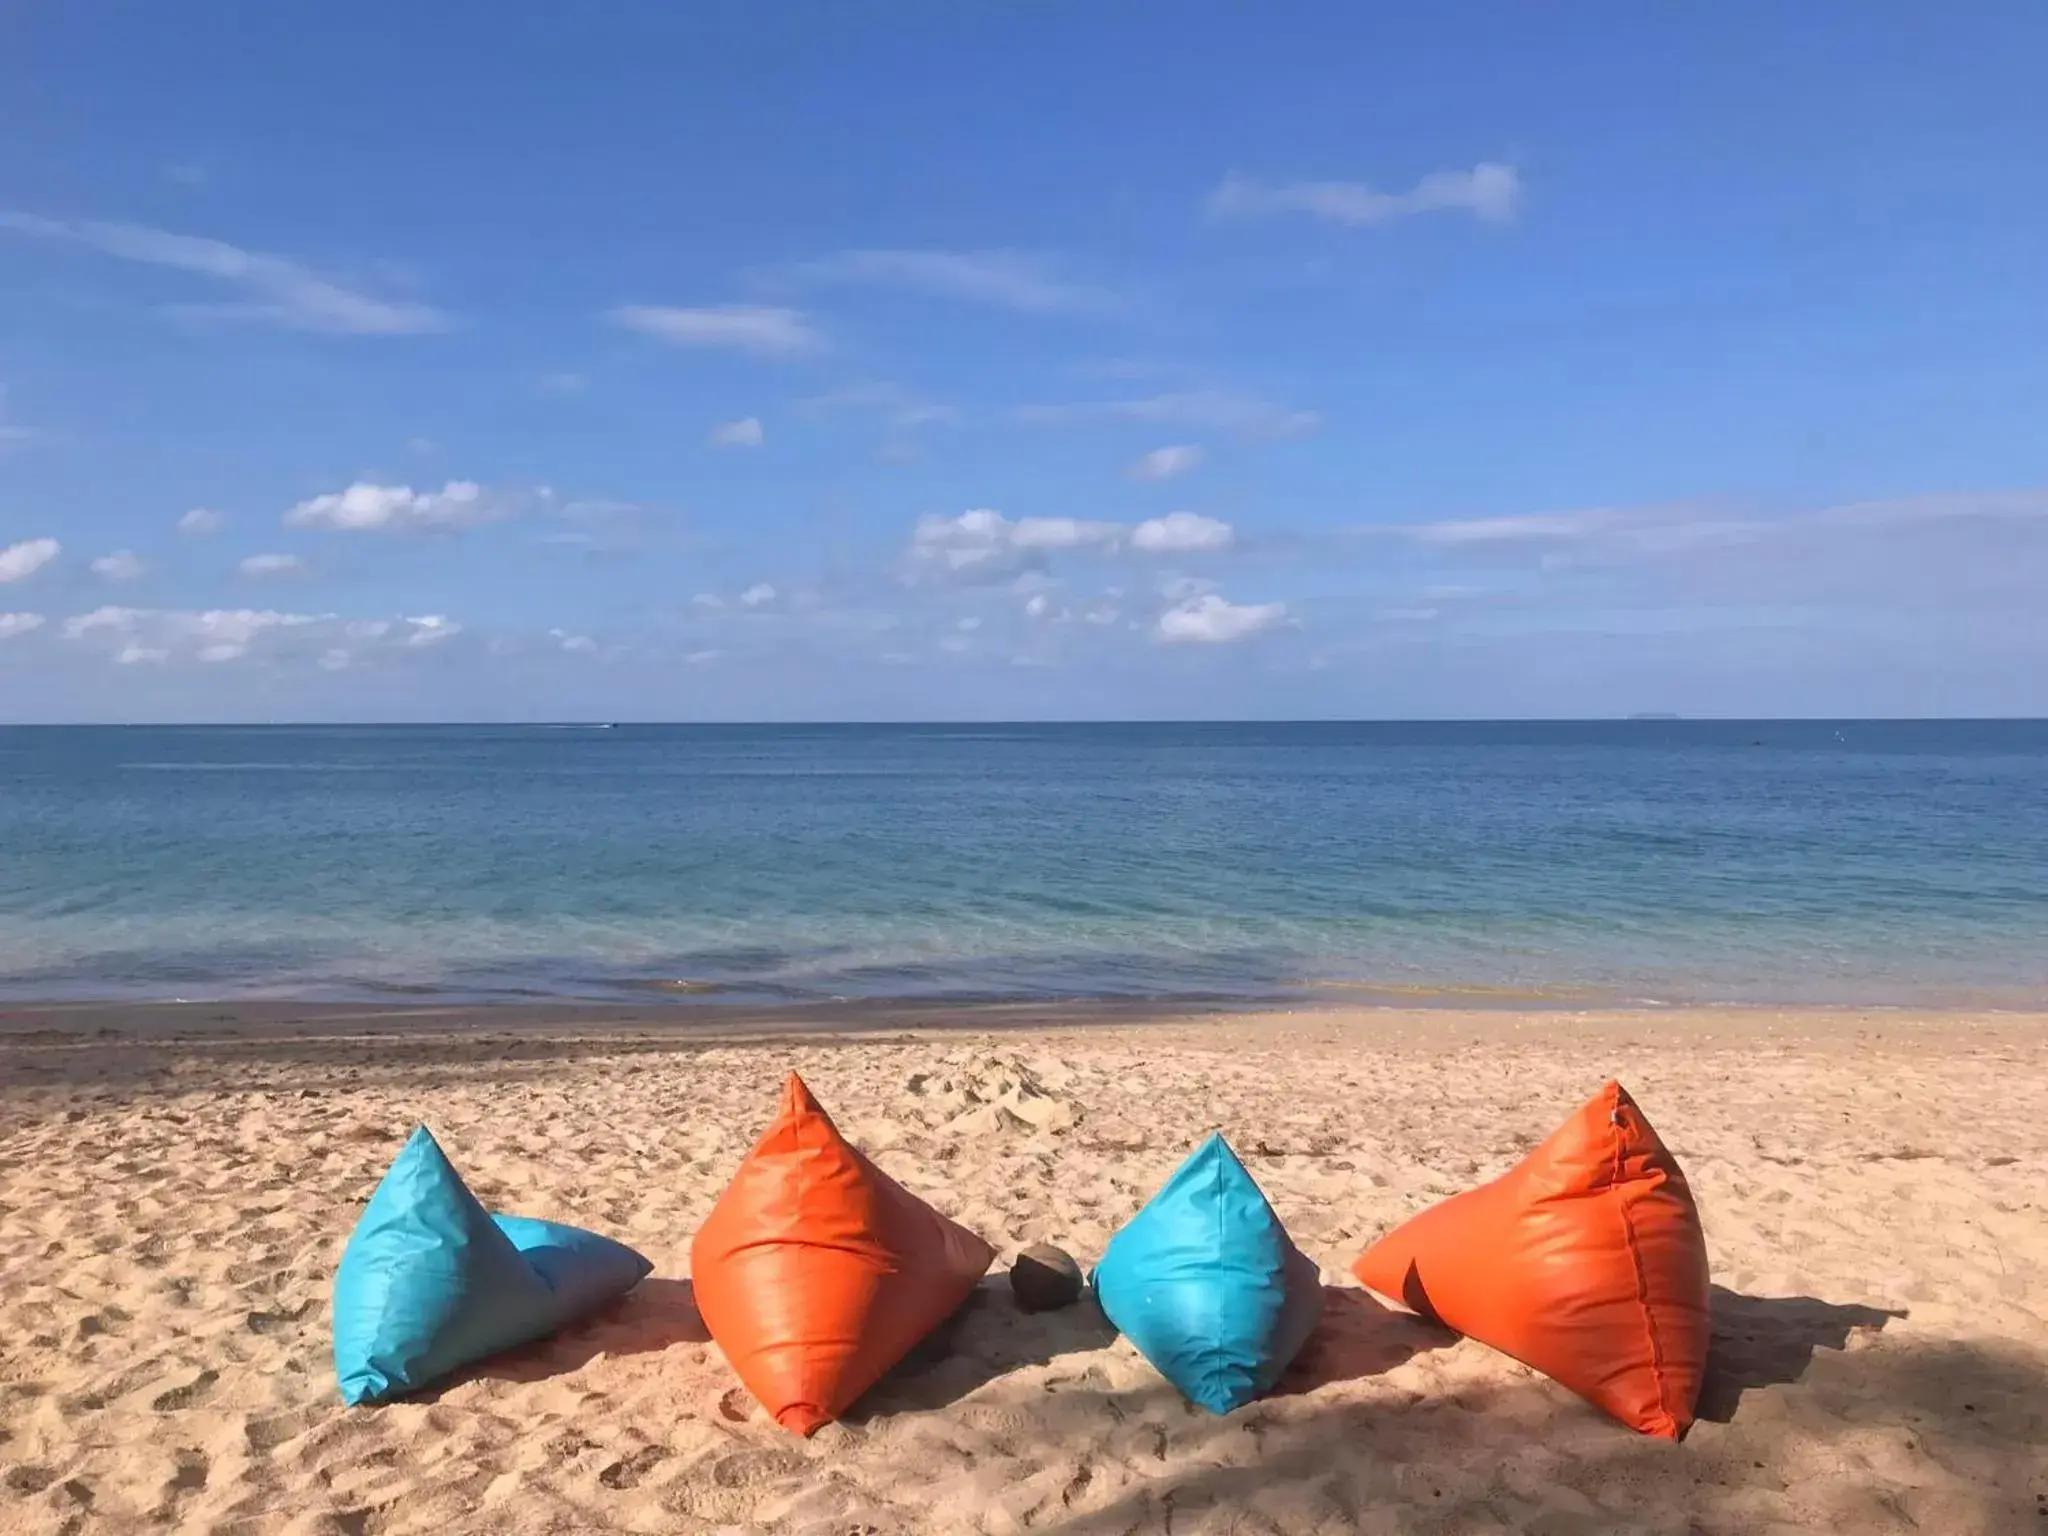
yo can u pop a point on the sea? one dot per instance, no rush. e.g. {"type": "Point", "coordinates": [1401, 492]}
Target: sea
{"type": "Point", "coordinates": [1651, 862]}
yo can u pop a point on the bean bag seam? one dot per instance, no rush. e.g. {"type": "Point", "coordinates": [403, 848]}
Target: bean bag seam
{"type": "Point", "coordinates": [1635, 1258]}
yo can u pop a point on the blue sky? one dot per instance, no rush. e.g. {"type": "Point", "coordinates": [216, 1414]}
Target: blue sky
{"type": "Point", "coordinates": [1004, 360]}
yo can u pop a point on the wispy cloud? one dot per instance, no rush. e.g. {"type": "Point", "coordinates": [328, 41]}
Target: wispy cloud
{"type": "Point", "coordinates": [759, 329]}
{"type": "Point", "coordinates": [20, 561]}
{"type": "Point", "coordinates": [15, 624]}
{"type": "Point", "coordinates": [121, 565]}
{"type": "Point", "coordinates": [1978, 558]}
{"type": "Point", "coordinates": [282, 291]}
{"type": "Point", "coordinates": [1017, 280]}
{"type": "Point", "coordinates": [899, 407]}
{"type": "Point", "coordinates": [201, 522]}
{"type": "Point", "coordinates": [368, 508]}
{"type": "Point", "coordinates": [135, 636]}
{"type": "Point", "coordinates": [1164, 463]}
{"type": "Point", "coordinates": [271, 567]}
{"type": "Point", "coordinates": [744, 433]}
{"type": "Point", "coordinates": [12, 433]}
{"type": "Point", "coordinates": [1215, 410]}
{"type": "Point", "coordinates": [1527, 527]}
{"type": "Point", "coordinates": [1489, 191]}
{"type": "Point", "coordinates": [217, 636]}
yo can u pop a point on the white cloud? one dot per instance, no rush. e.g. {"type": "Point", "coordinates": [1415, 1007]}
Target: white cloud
{"type": "Point", "coordinates": [13, 624]}
{"type": "Point", "coordinates": [20, 561]}
{"type": "Point", "coordinates": [1182, 533]}
{"type": "Point", "coordinates": [431, 629]}
{"type": "Point", "coordinates": [269, 567]}
{"type": "Point", "coordinates": [759, 595]}
{"type": "Point", "coordinates": [1039, 606]}
{"type": "Point", "coordinates": [121, 565]}
{"type": "Point", "coordinates": [283, 292]}
{"type": "Point", "coordinates": [200, 522]}
{"type": "Point", "coordinates": [983, 545]}
{"type": "Point", "coordinates": [1488, 191]}
{"type": "Point", "coordinates": [1216, 410]}
{"type": "Point", "coordinates": [1211, 620]}
{"type": "Point", "coordinates": [575, 644]}
{"type": "Point", "coordinates": [1060, 533]}
{"type": "Point", "coordinates": [744, 433]}
{"type": "Point", "coordinates": [215, 637]}
{"type": "Point", "coordinates": [135, 635]}
{"type": "Point", "coordinates": [1165, 463]}
{"type": "Point", "coordinates": [364, 507]}
{"type": "Point", "coordinates": [763, 330]}
{"type": "Point", "coordinates": [707, 601]}
{"type": "Point", "coordinates": [1006, 279]}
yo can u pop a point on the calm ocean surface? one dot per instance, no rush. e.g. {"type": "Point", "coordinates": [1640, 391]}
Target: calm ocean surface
{"type": "Point", "coordinates": [1680, 862]}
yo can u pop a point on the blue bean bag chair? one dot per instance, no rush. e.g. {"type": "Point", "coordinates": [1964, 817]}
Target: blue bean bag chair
{"type": "Point", "coordinates": [431, 1281]}
{"type": "Point", "coordinates": [1206, 1283]}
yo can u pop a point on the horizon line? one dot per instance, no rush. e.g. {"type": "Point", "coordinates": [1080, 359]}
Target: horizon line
{"type": "Point", "coordinates": [597, 723]}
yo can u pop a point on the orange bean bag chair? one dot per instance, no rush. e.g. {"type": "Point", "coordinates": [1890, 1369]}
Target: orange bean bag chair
{"type": "Point", "coordinates": [1584, 1260]}
{"type": "Point", "coordinates": [816, 1271]}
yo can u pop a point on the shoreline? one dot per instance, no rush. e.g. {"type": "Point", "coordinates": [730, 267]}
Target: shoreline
{"type": "Point", "coordinates": [188, 1020]}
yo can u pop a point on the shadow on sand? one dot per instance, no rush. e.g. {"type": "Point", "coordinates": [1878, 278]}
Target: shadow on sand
{"type": "Point", "coordinates": [1798, 1429]}
{"type": "Point", "coordinates": [987, 1337]}
{"type": "Point", "coordinates": [654, 1315]}
{"type": "Point", "coordinates": [1358, 1336]}
{"type": "Point", "coordinates": [1768, 1341]}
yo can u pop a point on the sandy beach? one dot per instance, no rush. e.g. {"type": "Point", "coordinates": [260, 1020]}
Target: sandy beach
{"type": "Point", "coordinates": [176, 1186]}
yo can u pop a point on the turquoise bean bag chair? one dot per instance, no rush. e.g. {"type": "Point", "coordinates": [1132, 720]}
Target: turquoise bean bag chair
{"type": "Point", "coordinates": [431, 1281]}
{"type": "Point", "coordinates": [1206, 1283]}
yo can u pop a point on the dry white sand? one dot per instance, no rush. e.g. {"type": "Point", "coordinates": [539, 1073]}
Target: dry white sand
{"type": "Point", "coordinates": [171, 1210]}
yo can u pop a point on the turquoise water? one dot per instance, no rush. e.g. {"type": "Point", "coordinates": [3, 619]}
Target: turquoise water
{"type": "Point", "coordinates": [1675, 862]}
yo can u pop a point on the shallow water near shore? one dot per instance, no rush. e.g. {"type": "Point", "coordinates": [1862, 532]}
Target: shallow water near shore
{"type": "Point", "coordinates": [1561, 864]}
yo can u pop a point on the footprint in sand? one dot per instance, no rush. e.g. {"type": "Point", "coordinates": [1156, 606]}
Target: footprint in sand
{"type": "Point", "coordinates": [267, 1433]}
{"type": "Point", "coordinates": [108, 1319]}
{"type": "Point", "coordinates": [187, 1395]}
{"type": "Point", "coordinates": [30, 1479]}
{"type": "Point", "coordinates": [627, 1472]}
{"type": "Point", "coordinates": [745, 1468]}
{"type": "Point", "coordinates": [190, 1474]}
{"type": "Point", "coordinates": [273, 1322]}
